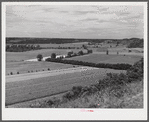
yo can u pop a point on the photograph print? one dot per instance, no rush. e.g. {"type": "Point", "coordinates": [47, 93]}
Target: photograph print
{"type": "Point", "coordinates": [81, 55]}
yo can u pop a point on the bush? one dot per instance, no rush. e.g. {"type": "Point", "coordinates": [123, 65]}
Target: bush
{"type": "Point", "coordinates": [73, 94]}
{"type": "Point", "coordinates": [11, 73]}
{"type": "Point", "coordinates": [17, 72]}
{"type": "Point", "coordinates": [107, 52]}
{"type": "Point", "coordinates": [136, 71]}
{"type": "Point", "coordinates": [68, 96]}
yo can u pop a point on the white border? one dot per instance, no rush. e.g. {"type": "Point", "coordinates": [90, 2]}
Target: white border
{"type": "Point", "coordinates": [73, 114]}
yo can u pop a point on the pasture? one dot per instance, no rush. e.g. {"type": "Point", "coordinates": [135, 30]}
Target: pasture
{"type": "Point", "coordinates": [103, 58]}
{"type": "Point", "coordinates": [25, 90]}
{"type": "Point", "coordinates": [63, 45]}
{"type": "Point", "coordinates": [24, 67]}
{"type": "Point", "coordinates": [20, 56]}
{"type": "Point", "coordinates": [117, 49]}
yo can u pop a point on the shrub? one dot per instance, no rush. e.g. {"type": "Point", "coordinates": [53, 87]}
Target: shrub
{"type": "Point", "coordinates": [73, 94]}
{"type": "Point", "coordinates": [50, 102]}
{"type": "Point", "coordinates": [68, 96]}
{"type": "Point", "coordinates": [112, 79]}
{"type": "Point", "coordinates": [17, 72]}
{"type": "Point", "coordinates": [107, 52]}
{"type": "Point", "coordinates": [11, 73]}
{"type": "Point", "coordinates": [76, 90]}
{"type": "Point", "coordinates": [136, 71]}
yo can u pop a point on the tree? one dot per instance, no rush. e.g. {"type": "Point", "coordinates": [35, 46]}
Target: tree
{"type": "Point", "coordinates": [53, 55]}
{"type": "Point", "coordinates": [70, 54]}
{"type": "Point", "coordinates": [80, 52]}
{"type": "Point", "coordinates": [39, 57]}
{"type": "Point", "coordinates": [84, 46]}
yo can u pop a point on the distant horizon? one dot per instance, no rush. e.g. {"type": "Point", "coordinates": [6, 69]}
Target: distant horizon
{"type": "Point", "coordinates": [75, 21]}
{"type": "Point", "coordinates": [71, 38]}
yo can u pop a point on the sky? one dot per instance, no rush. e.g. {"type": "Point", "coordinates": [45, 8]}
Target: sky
{"type": "Point", "coordinates": [75, 21]}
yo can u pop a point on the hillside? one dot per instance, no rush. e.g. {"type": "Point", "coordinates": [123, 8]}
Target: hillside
{"type": "Point", "coordinates": [124, 90]}
{"type": "Point", "coordinates": [114, 91]}
{"type": "Point", "coordinates": [131, 43]}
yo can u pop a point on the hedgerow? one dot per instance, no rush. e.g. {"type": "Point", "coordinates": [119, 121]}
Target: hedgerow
{"type": "Point", "coordinates": [98, 65]}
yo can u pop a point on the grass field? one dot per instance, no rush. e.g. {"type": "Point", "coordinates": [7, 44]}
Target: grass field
{"type": "Point", "coordinates": [103, 58]}
{"type": "Point", "coordinates": [24, 67]}
{"type": "Point", "coordinates": [15, 61]}
{"type": "Point", "coordinates": [64, 45]}
{"type": "Point", "coordinates": [19, 56]}
{"type": "Point", "coordinates": [45, 86]}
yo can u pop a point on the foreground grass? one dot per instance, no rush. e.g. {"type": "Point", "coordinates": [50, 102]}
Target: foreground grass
{"type": "Point", "coordinates": [129, 96]}
{"type": "Point", "coordinates": [132, 97]}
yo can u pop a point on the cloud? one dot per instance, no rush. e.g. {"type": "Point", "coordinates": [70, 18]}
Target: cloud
{"type": "Point", "coordinates": [75, 20]}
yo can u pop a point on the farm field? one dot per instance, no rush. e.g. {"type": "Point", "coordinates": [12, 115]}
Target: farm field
{"type": "Point", "coordinates": [24, 67]}
{"type": "Point", "coordinates": [103, 58]}
{"type": "Point", "coordinates": [20, 56]}
{"type": "Point", "coordinates": [24, 90]}
{"type": "Point", "coordinates": [64, 45]}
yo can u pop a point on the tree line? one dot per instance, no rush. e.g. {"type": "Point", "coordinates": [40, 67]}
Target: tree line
{"type": "Point", "coordinates": [15, 40]}
{"type": "Point", "coordinates": [21, 48]}
{"type": "Point", "coordinates": [63, 47]}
